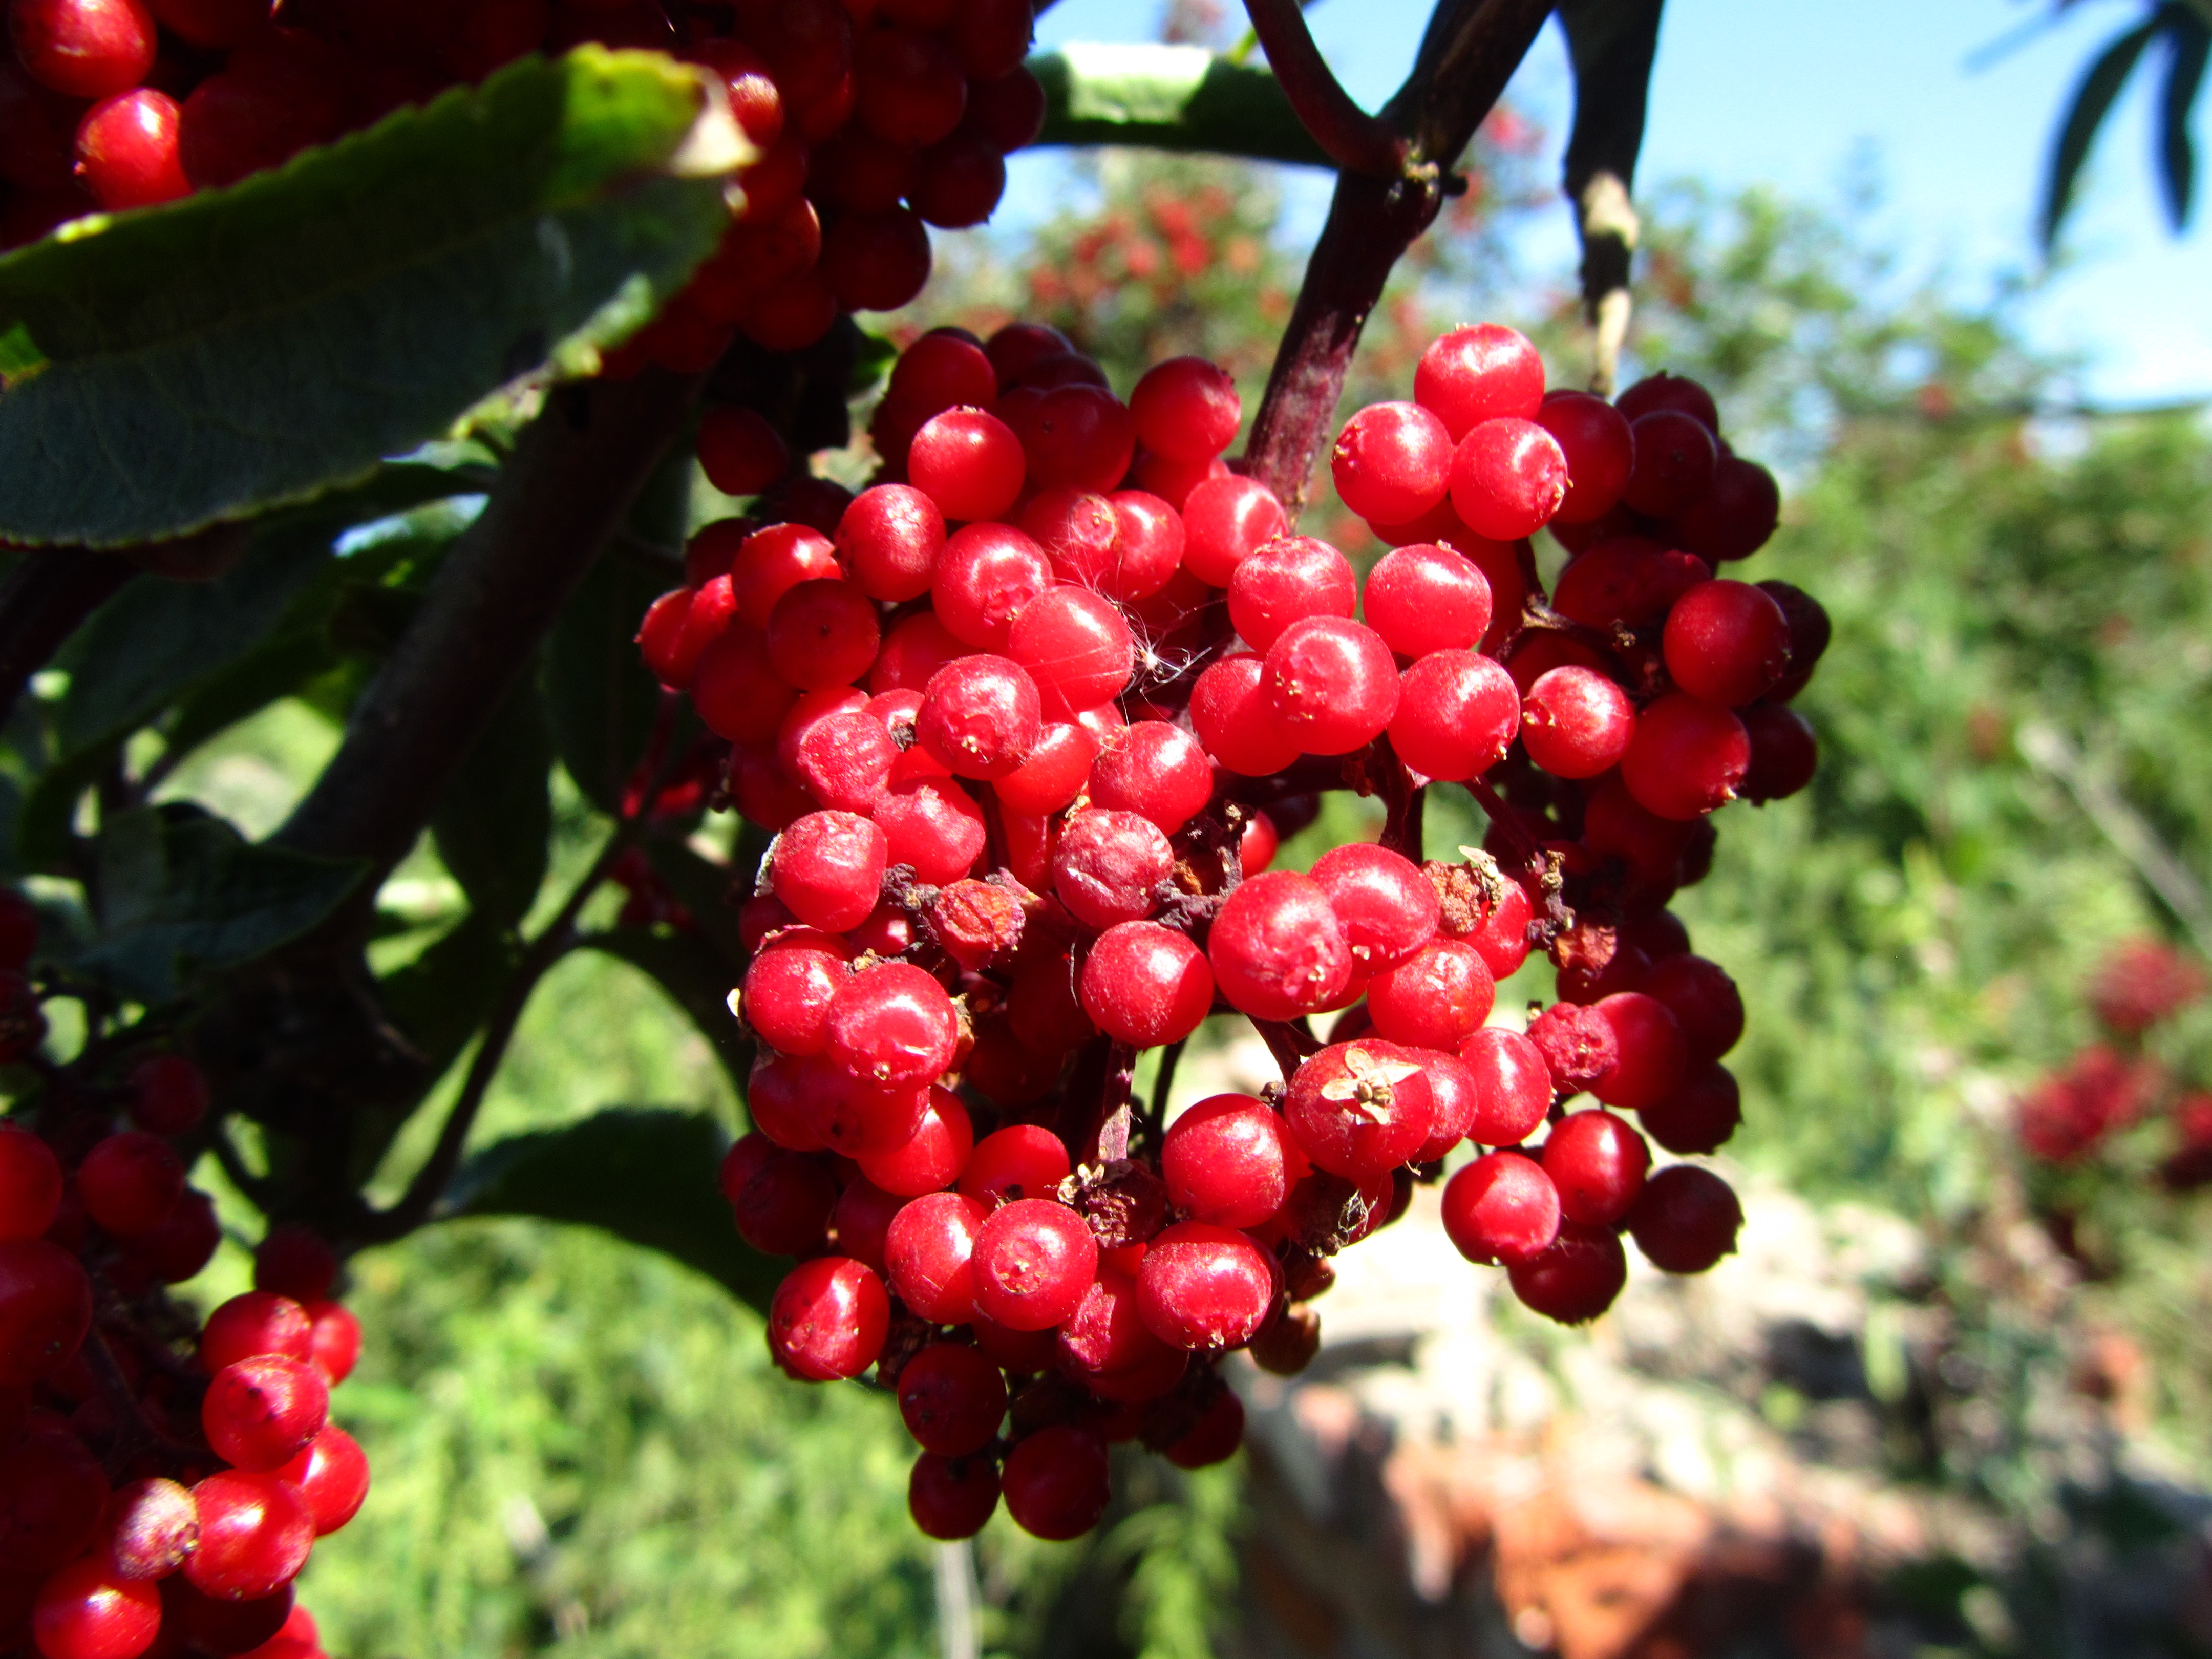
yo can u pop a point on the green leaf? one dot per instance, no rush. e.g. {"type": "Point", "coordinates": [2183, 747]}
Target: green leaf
{"type": "Point", "coordinates": [2184, 75]}
{"type": "Point", "coordinates": [1178, 98]}
{"type": "Point", "coordinates": [646, 1175]}
{"type": "Point", "coordinates": [696, 979]}
{"type": "Point", "coordinates": [602, 701]}
{"type": "Point", "coordinates": [180, 892]}
{"type": "Point", "coordinates": [2093, 102]}
{"type": "Point", "coordinates": [254, 345]}
{"type": "Point", "coordinates": [492, 827]}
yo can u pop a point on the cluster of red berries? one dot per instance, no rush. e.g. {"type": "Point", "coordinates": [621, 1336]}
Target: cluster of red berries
{"type": "Point", "coordinates": [2074, 1112]}
{"type": "Point", "coordinates": [875, 118]}
{"type": "Point", "coordinates": [155, 1500]}
{"type": "Point", "coordinates": [1030, 714]}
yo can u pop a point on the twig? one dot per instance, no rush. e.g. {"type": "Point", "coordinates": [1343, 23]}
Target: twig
{"type": "Point", "coordinates": [1283, 1043]}
{"type": "Point", "coordinates": [45, 599]}
{"type": "Point", "coordinates": [1469, 52]}
{"type": "Point", "coordinates": [559, 938]}
{"type": "Point", "coordinates": [558, 500]}
{"type": "Point", "coordinates": [1162, 1086]}
{"type": "Point", "coordinates": [1612, 44]}
{"type": "Point", "coordinates": [1354, 139]}
{"type": "Point", "coordinates": [1114, 1103]}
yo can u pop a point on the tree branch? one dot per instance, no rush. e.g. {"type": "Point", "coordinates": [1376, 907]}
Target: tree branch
{"type": "Point", "coordinates": [1354, 139]}
{"type": "Point", "coordinates": [559, 498]}
{"type": "Point", "coordinates": [1470, 51]}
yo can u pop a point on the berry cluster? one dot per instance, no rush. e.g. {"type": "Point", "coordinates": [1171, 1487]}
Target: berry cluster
{"type": "Point", "coordinates": [1030, 715]}
{"type": "Point", "coordinates": [875, 119]}
{"type": "Point", "coordinates": [159, 1480]}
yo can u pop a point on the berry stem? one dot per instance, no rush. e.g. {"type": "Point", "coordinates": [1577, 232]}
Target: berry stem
{"type": "Point", "coordinates": [1468, 53]}
{"type": "Point", "coordinates": [1285, 1041]}
{"type": "Point", "coordinates": [1354, 139]}
{"type": "Point", "coordinates": [1162, 1086]}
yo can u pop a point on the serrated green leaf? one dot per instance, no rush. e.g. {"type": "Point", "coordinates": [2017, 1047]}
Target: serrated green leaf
{"type": "Point", "coordinates": [696, 979]}
{"type": "Point", "coordinates": [257, 344]}
{"type": "Point", "coordinates": [1177, 97]}
{"type": "Point", "coordinates": [180, 892]}
{"type": "Point", "coordinates": [645, 1174]}
{"type": "Point", "coordinates": [2093, 102]}
{"type": "Point", "coordinates": [493, 826]}
{"type": "Point", "coordinates": [2192, 40]}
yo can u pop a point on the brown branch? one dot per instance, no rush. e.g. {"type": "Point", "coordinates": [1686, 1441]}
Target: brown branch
{"type": "Point", "coordinates": [45, 599]}
{"type": "Point", "coordinates": [1354, 139]}
{"type": "Point", "coordinates": [1470, 51]}
{"type": "Point", "coordinates": [559, 498]}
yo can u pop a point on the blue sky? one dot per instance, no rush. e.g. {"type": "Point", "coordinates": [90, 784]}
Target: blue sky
{"type": "Point", "coordinates": [1798, 94]}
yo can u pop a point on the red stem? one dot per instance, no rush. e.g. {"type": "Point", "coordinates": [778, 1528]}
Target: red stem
{"type": "Point", "coordinates": [1354, 139]}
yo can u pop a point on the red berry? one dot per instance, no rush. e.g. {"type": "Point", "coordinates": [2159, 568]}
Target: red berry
{"type": "Point", "coordinates": [332, 1475]}
{"type": "Point", "coordinates": [1479, 373]}
{"type": "Point", "coordinates": [951, 1497]}
{"type": "Point", "coordinates": [1146, 985]}
{"type": "Point", "coordinates": [932, 1159]}
{"type": "Point", "coordinates": [788, 987]}
{"type": "Point", "coordinates": [1686, 758]}
{"type": "Point", "coordinates": [1077, 437]}
{"type": "Point", "coordinates": [783, 1208]}
{"type": "Point", "coordinates": [1332, 683]}
{"type": "Point", "coordinates": [823, 633]}
{"type": "Point", "coordinates": [1276, 948]}
{"type": "Point", "coordinates": [1214, 1439]}
{"type": "Point", "coordinates": [1056, 1483]}
{"type": "Point", "coordinates": [129, 1182]}
{"type": "Point", "coordinates": [1434, 1000]}
{"type": "Point", "coordinates": [911, 91]}
{"type": "Point", "coordinates": [168, 1095]}
{"type": "Point", "coordinates": [1224, 519]}
{"type": "Point", "coordinates": [829, 868]}
{"type": "Point", "coordinates": [1626, 580]}
{"type": "Point", "coordinates": [927, 1255]}
{"type": "Point", "coordinates": [1156, 770]}
{"type": "Point", "coordinates": [90, 1611]}
{"type": "Point", "coordinates": [1512, 1084]}
{"type": "Point", "coordinates": [1388, 908]}
{"type": "Point", "coordinates": [932, 824]}
{"type": "Point", "coordinates": [1675, 392]}
{"type": "Point", "coordinates": [1578, 1045]}
{"type": "Point", "coordinates": [51, 1497]}
{"type": "Point", "coordinates": [1685, 1219]}
{"type": "Point", "coordinates": [212, 1625]}
{"type": "Point", "coordinates": [1576, 1278]}
{"type": "Point", "coordinates": [1704, 1000]}
{"type": "Point", "coordinates": [861, 1220]}
{"type": "Point", "coordinates": [1576, 722]}
{"type": "Point", "coordinates": [256, 1532]}
{"type": "Point", "coordinates": [951, 1397]}
{"type": "Point", "coordinates": [889, 538]}
{"type": "Point", "coordinates": [1034, 1258]}
{"type": "Point", "coordinates": [127, 151]}
{"type": "Point", "coordinates": [1727, 643]}
{"type": "Point", "coordinates": [85, 48]}
{"type": "Point", "coordinates": [986, 575]}
{"type": "Point", "coordinates": [1108, 865]}
{"type": "Point", "coordinates": [151, 1527]}
{"type": "Point", "coordinates": [1502, 1207]}
{"type": "Point", "coordinates": [968, 463]}
{"type": "Point", "coordinates": [1809, 629]}
{"type": "Point", "coordinates": [893, 1025]}
{"type": "Point", "coordinates": [1598, 1164]}
{"type": "Point", "coordinates": [296, 1261]}
{"type": "Point", "coordinates": [1700, 1114]}
{"type": "Point", "coordinates": [1601, 454]}
{"type": "Point", "coordinates": [1422, 598]}
{"type": "Point", "coordinates": [1023, 1160]}
{"type": "Point", "coordinates": [1075, 645]}
{"type": "Point", "coordinates": [254, 1323]}
{"type": "Point", "coordinates": [1227, 1160]}
{"type": "Point", "coordinates": [259, 1412]}
{"type": "Point", "coordinates": [1675, 454]}
{"type": "Point", "coordinates": [1457, 715]}
{"type": "Point", "coordinates": [1185, 408]}
{"type": "Point", "coordinates": [845, 761]}
{"type": "Point", "coordinates": [1204, 1288]}
{"type": "Point", "coordinates": [1735, 516]}
{"type": "Point", "coordinates": [1650, 1056]}
{"type": "Point", "coordinates": [1285, 581]}
{"type": "Point", "coordinates": [740, 452]}
{"type": "Point", "coordinates": [979, 716]}
{"type": "Point", "coordinates": [1784, 753]}
{"type": "Point", "coordinates": [1507, 478]}
{"type": "Point", "coordinates": [45, 1309]}
{"type": "Point", "coordinates": [336, 1344]}
{"type": "Point", "coordinates": [827, 1319]}
{"type": "Point", "coordinates": [1055, 773]}
{"type": "Point", "coordinates": [1235, 719]}
{"type": "Point", "coordinates": [30, 1183]}
{"type": "Point", "coordinates": [1106, 1345]}
{"type": "Point", "coordinates": [1359, 1108]}
{"type": "Point", "coordinates": [1392, 462]}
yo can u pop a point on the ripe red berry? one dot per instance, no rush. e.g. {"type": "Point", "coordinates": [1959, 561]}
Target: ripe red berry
{"type": "Point", "coordinates": [1598, 1164]}
{"type": "Point", "coordinates": [1146, 985]}
{"type": "Point", "coordinates": [1478, 373]}
{"type": "Point", "coordinates": [127, 150]}
{"type": "Point", "coordinates": [1651, 1056]}
{"type": "Point", "coordinates": [90, 1611]}
{"type": "Point", "coordinates": [927, 1255]}
{"type": "Point", "coordinates": [771, 561]}
{"type": "Point", "coordinates": [952, 1398]}
{"type": "Point", "coordinates": [85, 48]}
{"type": "Point", "coordinates": [1276, 948]}
{"type": "Point", "coordinates": [1784, 753]}
{"type": "Point", "coordinates": [1512, 1084]}
{"type": "Point", "coordinates": [1106, 1345]}
{"type": "Point", "coordinates": [892, 1024]}
{"type": "Point", "coordinates": [256, 1532]}
{"type": "Point", "coordinates": [968, 463]}
{"type": "Point", "coordinates": [1185, 408]}
{"type": "Point", "coordinates": [1230, 710]}
{"type": "Point", "coordinates": [1107, 864]}
{"type": "Point", "coordinates": [1392, 462]}
{"type": "Point", "coordinates": [332, 1475]}
{"type": "Point", "coordinates": [336, 1343]}
{"type": "Point", "coordinates": [1023, 1160]}
{"type": "Point", "coordinates": [889, 538]}
{"type": "Point", "coordinates": [1576, 722]}
{"type": "Point", "coordinates": [1457, 715]}
{"type": "Point", "coordinates": [168, 1095]}
{"type": "Point", "coordinates": [740, 452]}
{"type": "Point", "coordinates": [151, 1527]}
{"type": "Point", "coordinates": [1685, 1219]}
{"type": "Point", "coordinates": [1332, 683]}
{"type": "Point", "coordinates": [1704, 1000]}
{"type": "Point", "coordinates": [1359, 1108]}
{"type": "Point", "coordinates": [1578, 1045]}
{"type": "Point", "coordinates": [1228, 1160]}
{"type": "Point", "coordinates": [1675, 454]}
{"type": "Point", "coordinates": [1203, 1287]}
{"type": "Point", "coordinates": [979, 716]}
{"type": "Point", "coordinates": [933, 824]}
{"type": "Point", "coordinates": [52, 1494]}
{"type": "Point", "coordinates": [1700, 1114]}
{"type": "Point", "coordinates": [1422, 598]}
{"type": "Point", "coordinates": [1388, 908]}
{"type": "Point", "coordinates": [1075, 645]}
{"type": "Point", "coordinates": [260, 1412]}
{"type": "Point", "coordinates": [30, 1183]}
{"type": "Point", "coordinates": [45, 1309]}
{"type": "Point", "coordinates": [734, 689]}
{"type": "Point", "coordinates": [1675, 392]}
{"type": "Point", "coordinates": [845, 760]}
{"type": "Point", "coordinates": [823, 633]}
{"type": "Point", "coordinates": [129, 1181]}
{"type": "Point", "coordinates": [1224, 519]}
{"type": "Point", "coordinates": [951, 1497]}
{"type": "Point", "coordinates": [827, 1319]}
{"type": "Point", "coordinates": [1502, 1207]}
{"type": "Point", "coordinates": [1034, 1258]}
{"type": "Point", "coordinates": [1686, 758]}
{"type": "Point", "coordinates": [1627, 581]}
{"type": "Point", "coordinates": [253, 1323]}
{"type": "Point", "coordinates": [783, 1208]}
{"type": "Point", "coordinates": [213, 1625]}
{"type": "Point", "coordinates": [1601, 454]}
{"type": "Point", "coordinates": [1435, 998]}
{"type": "Point", "coordinates": [829, 868]}
{"type": "Point", "coordinates": [1055, 772]}
{"type": "Point", "coordinates": [1507, 478]}
{"type": "Point", "coordinates": [296, 1261]}
{"type": "Point", "coordinates": [1287, 579]}
{"type": "Point", "coordinates": [1727, 643]}
{"type": "Point", "coordinates": [1575, 1280]}
{"type": "Point", "coordinates": [1056, 1483]}
{"type": "Point", "coordinates": [1735, 516]}
{"type": "Point", "coordinates": [1809, 629]}
{"type": "Point", "coordinates": [1156, 770]}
